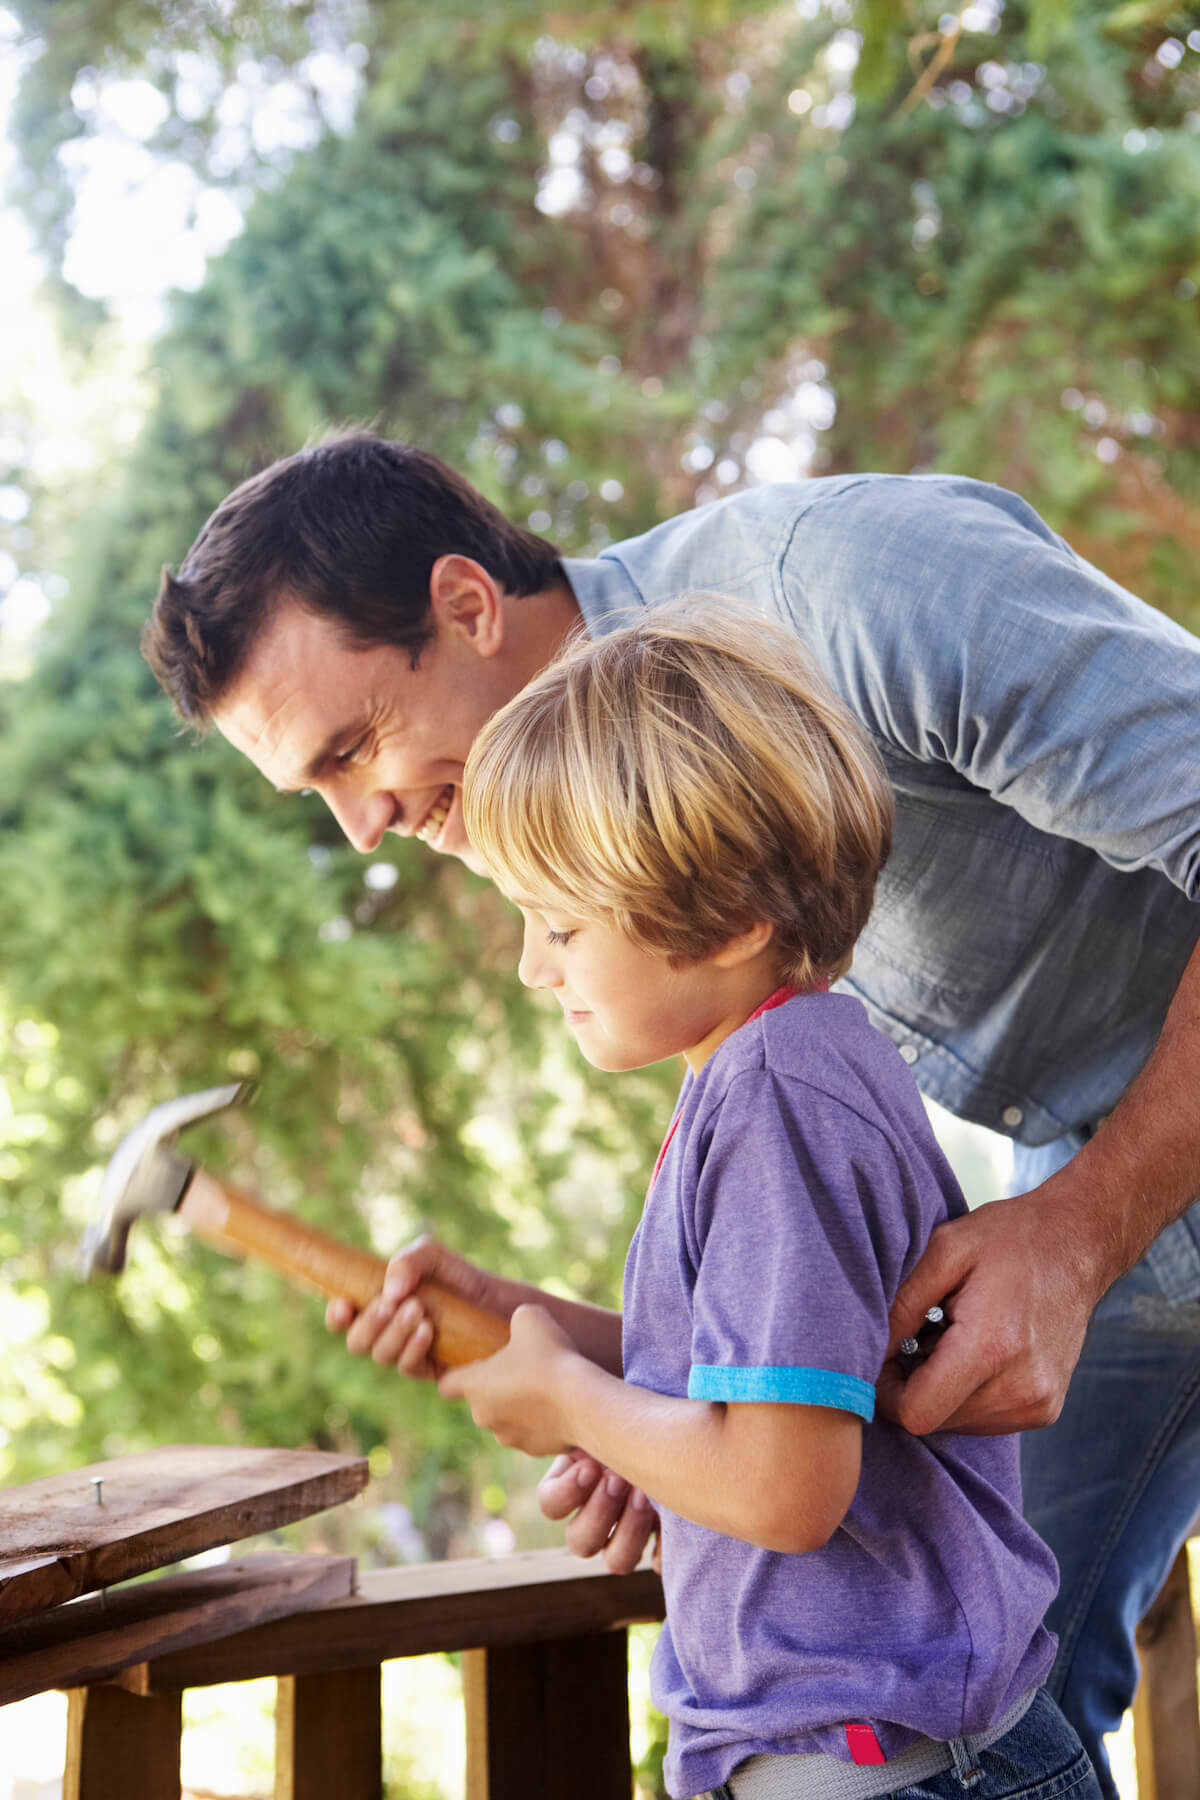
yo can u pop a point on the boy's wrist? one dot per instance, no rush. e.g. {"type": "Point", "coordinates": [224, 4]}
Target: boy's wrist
{"type": "Point", "coordinates": [573, 1381]}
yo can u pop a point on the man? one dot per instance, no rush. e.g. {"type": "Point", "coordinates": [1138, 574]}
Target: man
{"type": "Point", "coordinates": [348, 619]}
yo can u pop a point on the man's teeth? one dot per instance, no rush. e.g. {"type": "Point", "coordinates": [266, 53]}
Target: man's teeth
{"type": "Point", "coordinates": [436, 817]}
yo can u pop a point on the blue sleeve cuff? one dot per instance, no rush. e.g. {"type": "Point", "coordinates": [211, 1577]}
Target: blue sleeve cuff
{"type": "Point", "coordinates": [803, 1387]}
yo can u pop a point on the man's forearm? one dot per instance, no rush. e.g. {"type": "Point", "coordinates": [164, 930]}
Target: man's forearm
{"type": "Point", "coordinates": [1142, 1167]}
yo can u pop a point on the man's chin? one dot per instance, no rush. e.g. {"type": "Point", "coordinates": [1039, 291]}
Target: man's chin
{"type": "Point", "coordinates": [460, 845]}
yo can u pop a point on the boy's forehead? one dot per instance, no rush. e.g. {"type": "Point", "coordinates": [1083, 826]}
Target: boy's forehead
{"type": "Point", "coordinates": [538, 903]}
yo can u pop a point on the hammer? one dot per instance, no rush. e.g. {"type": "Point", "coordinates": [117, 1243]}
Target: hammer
{"type": "Point", "coordinates": [147, 1174]}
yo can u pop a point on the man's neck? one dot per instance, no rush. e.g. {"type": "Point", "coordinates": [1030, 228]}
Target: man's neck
{"type": "Point", "coordinates": [537, 626]}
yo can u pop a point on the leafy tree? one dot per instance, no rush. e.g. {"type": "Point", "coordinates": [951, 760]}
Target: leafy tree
{"type": "Point", "coordinates": [608, 270]}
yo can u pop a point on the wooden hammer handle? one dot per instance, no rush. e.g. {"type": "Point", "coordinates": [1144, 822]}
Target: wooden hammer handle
{"type": "Point", "coordinates": [243, 1227]}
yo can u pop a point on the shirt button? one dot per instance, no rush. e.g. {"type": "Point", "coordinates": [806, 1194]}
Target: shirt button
{"type": "Point", "coordinates": [1012, 1115]}
{"type": "Point", "coordinates": [909, 1052]}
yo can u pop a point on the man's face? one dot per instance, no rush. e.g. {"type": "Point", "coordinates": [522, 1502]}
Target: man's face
{"type": "Point", "coordinates": [382, 743]}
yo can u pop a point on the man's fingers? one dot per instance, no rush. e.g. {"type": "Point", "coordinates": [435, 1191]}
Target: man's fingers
{"type": "Point", "coordinates": [936, 1389]}
{"type": "Point", "coordinates": [935, 1277]}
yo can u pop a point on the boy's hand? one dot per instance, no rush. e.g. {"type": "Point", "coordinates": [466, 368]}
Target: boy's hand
{"type": "Point", "coordinates": [606, 1517]}
{"type": "Point", "coordinates": [515, 1394]}
{"type": "Point", "coordinates": [394, 1328]}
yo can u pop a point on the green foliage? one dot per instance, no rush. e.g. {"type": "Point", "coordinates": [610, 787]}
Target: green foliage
{"type": "Point", "coordinates": [973, 250]}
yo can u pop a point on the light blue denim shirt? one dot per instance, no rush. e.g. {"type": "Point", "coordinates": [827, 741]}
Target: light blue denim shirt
{"type": "Point", "coordinates": [1041, 727]}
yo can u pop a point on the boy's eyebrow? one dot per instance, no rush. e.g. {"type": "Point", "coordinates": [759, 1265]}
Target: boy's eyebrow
{"type": "Point", "coordinates": [544, 905]}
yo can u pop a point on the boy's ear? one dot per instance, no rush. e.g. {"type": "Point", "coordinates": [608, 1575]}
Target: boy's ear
{"type": "Point", "coordinates": [465, 599]}
{"type": "Point", "coordinates": [745, 946]}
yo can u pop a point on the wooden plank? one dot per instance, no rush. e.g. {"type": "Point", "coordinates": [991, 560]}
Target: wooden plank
{"type": "Point", "coordinates": [155, 1507]}
{"type": "Point", "coordinates": [1166, 1714]}
{"type": "Point", "coordinates": [120, 1747]}
{"type": "Point", "coordinates": [549, 1718]}
{"type": "Point", "coordinates": [328, 1736]}
{"type": "Point", "coordinates": [465, 1605]}
{"type": "Point", "coordinates": [90, 1640]}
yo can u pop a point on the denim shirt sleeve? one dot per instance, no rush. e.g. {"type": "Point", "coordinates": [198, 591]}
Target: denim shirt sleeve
{"type": "Point", "coordinates": [973, 641]}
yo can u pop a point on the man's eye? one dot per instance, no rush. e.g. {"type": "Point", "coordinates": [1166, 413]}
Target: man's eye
{"type": "Point", "coordinates": [559, 937]}
{"type": "Point", "coordinates": [354, 753]}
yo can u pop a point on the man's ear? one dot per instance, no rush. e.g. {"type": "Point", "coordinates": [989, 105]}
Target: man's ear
{"type": "Point", "coordinates": [745, 946]}
{"type": "Point", "coordinates": [467, 600]}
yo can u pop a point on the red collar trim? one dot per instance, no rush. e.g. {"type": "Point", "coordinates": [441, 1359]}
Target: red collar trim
{"type": "Point", "coordinates": [779, 998]}
{"type": "Point", "coordinates": [783, 994]}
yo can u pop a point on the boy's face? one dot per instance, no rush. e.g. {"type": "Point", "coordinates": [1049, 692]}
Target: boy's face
{"type": "Point", "coordinates": [629, 1007]}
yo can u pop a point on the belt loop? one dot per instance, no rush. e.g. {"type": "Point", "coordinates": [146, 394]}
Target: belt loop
{"type": "Point", "coordinates": [966, 1762]}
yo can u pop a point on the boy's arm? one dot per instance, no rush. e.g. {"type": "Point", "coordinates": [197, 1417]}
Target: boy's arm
{"type": "Point", "coordinates": [778, 1475]}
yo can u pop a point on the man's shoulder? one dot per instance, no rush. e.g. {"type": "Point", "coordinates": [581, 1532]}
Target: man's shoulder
{"type": "Point", "coordinates": [784, 545]}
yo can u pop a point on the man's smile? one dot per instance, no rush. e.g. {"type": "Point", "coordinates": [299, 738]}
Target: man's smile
{"type": "Point", "coordinates": [430, 827]}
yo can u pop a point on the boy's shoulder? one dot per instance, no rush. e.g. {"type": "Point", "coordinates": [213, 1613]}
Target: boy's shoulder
{"type": "Point", "coordinates": [822, 1041]}
{"type": "Point", "coordinates": [816, 1071]}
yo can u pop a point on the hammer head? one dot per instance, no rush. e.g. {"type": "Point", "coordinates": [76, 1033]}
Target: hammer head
{"type": "Point", "coordinates": [146, 1174]}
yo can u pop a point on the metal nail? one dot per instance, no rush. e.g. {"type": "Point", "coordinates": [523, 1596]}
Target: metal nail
{"type": "Point", "coordinates": [97, 1484]}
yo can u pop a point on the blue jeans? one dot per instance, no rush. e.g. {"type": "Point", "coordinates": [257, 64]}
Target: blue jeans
{"type": "Point", "coordinates": [1039, 1759]}
{"type": "Point", "coordinates": [1114, 1485]}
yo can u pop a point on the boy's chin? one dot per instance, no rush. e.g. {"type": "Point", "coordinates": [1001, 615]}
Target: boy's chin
{"type": "Point", "coordinates": [613, 1062]}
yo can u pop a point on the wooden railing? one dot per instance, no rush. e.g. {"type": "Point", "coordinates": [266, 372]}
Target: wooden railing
{"type": "Point", "coordinates": [1166, 1718]}
{"type": "Point", "coordinates": [545, 1690]}
{"type": "Point", "coordinates": [545, 1685]}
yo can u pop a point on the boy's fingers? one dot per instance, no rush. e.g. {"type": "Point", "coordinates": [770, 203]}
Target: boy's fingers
{"type": "Point", "coordinates": [567, 1483]}
{"type": "Point", "coordinates": [397, 1326]}
{"type": "Point", "coordinates": [339, 1314]}
{"type": "Point", "coordinates": [633, 1531]}
{"type": "Point", "coordinates": [367, 1325]}
{"type": "Point", "coordinates": [424, 1256]}
{"type": "Point", "coordinates": [588, 1533]}
{"type": "Point", "coordinates": [414, 1357]}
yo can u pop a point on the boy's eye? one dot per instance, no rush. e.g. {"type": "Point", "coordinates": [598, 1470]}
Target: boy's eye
{"type": "Point", "coordinates": [559, 937]}
{"type": "Point", "coordinates": [354, 752]}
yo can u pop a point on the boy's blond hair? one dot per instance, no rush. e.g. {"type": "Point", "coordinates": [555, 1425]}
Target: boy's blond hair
{"type": "Point", "coordinates": [681, 779]}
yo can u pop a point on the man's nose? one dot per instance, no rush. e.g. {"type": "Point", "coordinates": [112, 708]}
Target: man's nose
{"type": "Point", "coordinates": [363, 817]}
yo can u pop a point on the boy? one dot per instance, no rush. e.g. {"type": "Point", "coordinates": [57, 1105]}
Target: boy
{"type": "Point", "coordinates": [692, 828]}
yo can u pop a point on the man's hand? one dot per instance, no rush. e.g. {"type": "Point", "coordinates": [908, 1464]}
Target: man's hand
{"type": "Point", "coordinates": [606, 1516]}
{"type": "Point", "coordinates": [1019, 1289]}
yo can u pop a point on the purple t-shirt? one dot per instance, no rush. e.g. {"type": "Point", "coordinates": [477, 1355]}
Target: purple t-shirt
{"type": "Point", "coordinates": [798, 1189]}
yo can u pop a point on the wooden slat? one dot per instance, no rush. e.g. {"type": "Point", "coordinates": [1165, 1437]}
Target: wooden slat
{"type": "Point", "coordinates": [157, 1507]}
{"type": "Point", "coordinates": [120, 1747]}
{"type": "Point", "coordinates": [1166, 1714]}
{"type": "Point", "coordinates": [438, 1606]}
{"type": "Point", "coordinates": [550, 1719]}
{"type": "Point", "coordinates": [90, 1640]}
{"type": "Point", "coordinates": [328, 1736]}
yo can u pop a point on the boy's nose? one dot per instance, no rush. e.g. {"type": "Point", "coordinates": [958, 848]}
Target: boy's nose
{"type": "Point", "coordinates": [535, 969]}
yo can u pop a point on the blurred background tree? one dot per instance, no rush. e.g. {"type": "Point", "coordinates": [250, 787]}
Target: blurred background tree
{"type": "Point", "coordinates": [611, 265]}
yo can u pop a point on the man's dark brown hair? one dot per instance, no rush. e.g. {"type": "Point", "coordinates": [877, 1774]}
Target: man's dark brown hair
{"type": "Point", "coordinates": [349, 529]}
